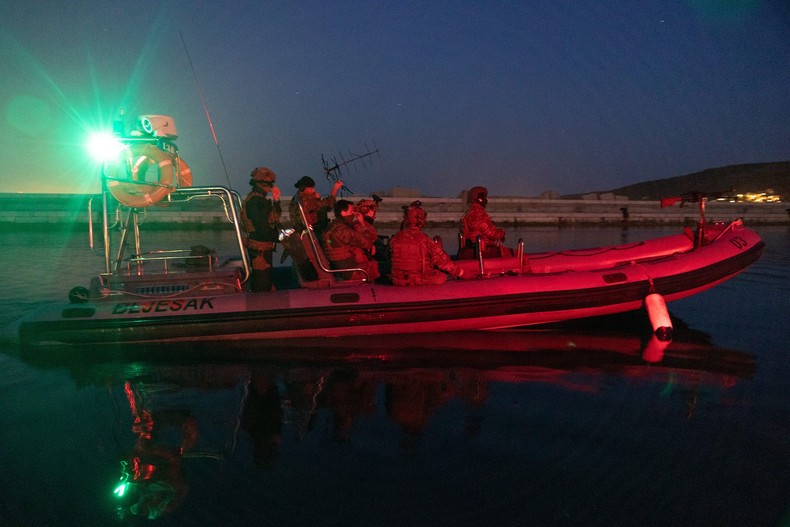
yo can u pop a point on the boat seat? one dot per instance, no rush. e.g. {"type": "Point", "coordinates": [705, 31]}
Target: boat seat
{"type": "Point", "coordinates": [320, 265]}
{"type": "Point", "coordinates": [323, 279]}
{"type": "Point", "coordinates": [299, 250]}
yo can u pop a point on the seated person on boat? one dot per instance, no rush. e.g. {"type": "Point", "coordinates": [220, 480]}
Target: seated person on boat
{"type": "Point", "coordinates": [368, 207]}
{"type": "Point", "coordinates": [416, 258]}
{"type": "Point", "coordinates": [349, 240]}
{"type": "Point", "coordinates": [478, 225]}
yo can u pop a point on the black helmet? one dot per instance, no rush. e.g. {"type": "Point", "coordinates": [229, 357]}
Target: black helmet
{"type": "Point", "coordinates": [477, 195]}
{"type": "Point", "coordinates": [414, 217]}
{"type": "Point", "coordinates": [263, 175]}
{"type": "Point", "coordinates": [304, 182]}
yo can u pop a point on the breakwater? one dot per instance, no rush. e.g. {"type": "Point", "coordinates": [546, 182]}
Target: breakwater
{"type": "Point", "coordinates": [68, 209]}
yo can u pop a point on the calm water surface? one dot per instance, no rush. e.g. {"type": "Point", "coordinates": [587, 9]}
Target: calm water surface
{"type": "Point", "coordinates": [563, 427]}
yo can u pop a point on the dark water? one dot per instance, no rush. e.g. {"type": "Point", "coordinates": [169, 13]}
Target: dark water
{"type": "Point", "coordinates": [563, 427]}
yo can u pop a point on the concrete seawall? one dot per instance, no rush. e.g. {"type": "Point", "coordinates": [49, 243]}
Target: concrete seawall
{"type": "Point", "coordinates": [65, 209]}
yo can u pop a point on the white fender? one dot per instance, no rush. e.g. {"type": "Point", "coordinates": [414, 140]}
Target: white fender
{"type": "Point", "coordinates": [659, 316]}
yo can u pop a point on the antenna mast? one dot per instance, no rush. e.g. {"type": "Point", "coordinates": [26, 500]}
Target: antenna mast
{"type": "Point", "coordinates": [205, 109]}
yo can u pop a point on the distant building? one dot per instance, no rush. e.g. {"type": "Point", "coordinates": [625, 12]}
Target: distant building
{"type": "Point", "coordinates": [550, 194]}
{"type": "Point", "coordinates": [400, 192]}
{"type": "Point", "coordinates": [603, 196]}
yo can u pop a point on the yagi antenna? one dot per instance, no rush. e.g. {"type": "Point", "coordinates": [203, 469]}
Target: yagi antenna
{"type": "Point", "coordinates": [334, 169]}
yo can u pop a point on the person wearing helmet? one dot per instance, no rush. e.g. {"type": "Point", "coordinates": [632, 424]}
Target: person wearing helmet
{"type": "Point", "coordinates": [368, 207]}
{"type": "Point", "coordinates": [477, 223]}
{"type": "Point", "coordinates": [316, 208]}
{"type": "Point", "coordinates": [415, 203]}
{"type": "Point", "coordinates": [349, 240]}
{"type": "Point", "coordinates": [261, 216]}
{"type": "Point", "coordinates": [416, 259]}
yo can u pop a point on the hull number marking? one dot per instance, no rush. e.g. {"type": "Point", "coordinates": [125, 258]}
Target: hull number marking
{"type": "Point", "coordinates": [162, 306]}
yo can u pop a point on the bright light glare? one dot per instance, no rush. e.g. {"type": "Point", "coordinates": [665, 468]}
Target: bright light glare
{"type": "Point", "coordinates": [104, 146]}
{"type": "Point", "coordinates": [120, 490]}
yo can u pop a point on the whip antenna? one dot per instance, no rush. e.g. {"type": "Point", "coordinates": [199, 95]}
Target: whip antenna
{"type": "Point", "coordinates": [205, 109]}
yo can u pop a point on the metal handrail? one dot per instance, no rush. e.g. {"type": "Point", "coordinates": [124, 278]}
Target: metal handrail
{"type": "Point", "coordinates": [480, 246]}
{"type": "Point", "coordinates": [136, 182]}
{"type": "Point", "coordinates": [172, 254]}
{"type": "Point", "coordinates": [91, 236]}
{"type": "Point", "coordinates": [234, 203]}
{"type": "Point", "coordinates": [232, 207]}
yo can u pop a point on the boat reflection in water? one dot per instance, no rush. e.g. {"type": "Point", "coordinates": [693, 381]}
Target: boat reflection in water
{"type": "Point", "coordinates": [173, 413]}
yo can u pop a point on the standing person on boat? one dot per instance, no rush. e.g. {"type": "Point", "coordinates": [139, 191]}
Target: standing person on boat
{"type": "Point", "coordinates": [348, 242]}
{"type": "Point", "coordinates": [476, 222]}
{"type": "Point", "coordinates": [261, 217]}
{"type": "Point", "coordinates": [316, 208]}
{"type": "Point", "coordinates": [416, 258]}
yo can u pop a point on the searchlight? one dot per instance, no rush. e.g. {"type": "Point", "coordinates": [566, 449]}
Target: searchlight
{"type": "Point", "coordinates": [158, 126]}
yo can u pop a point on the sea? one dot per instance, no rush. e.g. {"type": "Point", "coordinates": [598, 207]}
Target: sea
{"type": "Point", "coordinates": [574, 424]}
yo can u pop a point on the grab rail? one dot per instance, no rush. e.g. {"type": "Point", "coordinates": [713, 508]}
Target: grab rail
{"type": "Point", "coordinates": [480, 246]}
{"type": "Point", "coordinates": [231, 202]}
{"type": "Point", "coordinates": [166, 255]}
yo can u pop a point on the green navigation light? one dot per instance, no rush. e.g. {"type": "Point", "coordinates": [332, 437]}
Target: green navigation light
{"type": "Point", "coordinates": [123, 485]}
{"type": "Point", "coordinates": [104, 146]}
{"type": "Point", "coordinates": [120, 490]}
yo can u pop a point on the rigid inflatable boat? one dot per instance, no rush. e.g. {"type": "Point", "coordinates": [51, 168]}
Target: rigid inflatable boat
{"type": "Point", "coordinates": [178, 295]}
{"type": "Point", "coordinates": [209, 301]}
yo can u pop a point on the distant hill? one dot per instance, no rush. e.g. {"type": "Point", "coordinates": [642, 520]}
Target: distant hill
{"type": "Point", "coordinates": [754, 177]}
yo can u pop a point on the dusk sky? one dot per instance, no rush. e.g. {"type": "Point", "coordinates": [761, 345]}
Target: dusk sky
{"type": "Point", "coordinates": [522, 97]}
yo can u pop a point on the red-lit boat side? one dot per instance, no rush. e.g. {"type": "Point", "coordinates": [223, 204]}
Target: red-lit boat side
{"type": "Point", "coordinates": [558, 286]}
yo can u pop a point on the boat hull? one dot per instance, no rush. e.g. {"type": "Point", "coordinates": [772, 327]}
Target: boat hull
{"type": "Point", "coordinates": [371, 309]}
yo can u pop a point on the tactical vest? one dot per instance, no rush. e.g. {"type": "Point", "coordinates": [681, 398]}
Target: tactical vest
{"type": "Point", "coordinates": [408, 255]}
{"type": "Point", "coordinates": [249, 227]}
{"type": "Point", "coordinates": [245, 220]}
{"type": "Point", "coordinates": [335, 250]}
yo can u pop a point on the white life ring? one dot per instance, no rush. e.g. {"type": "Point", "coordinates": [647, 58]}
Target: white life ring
{"type": "Point", "coordinates": [135, 192]}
